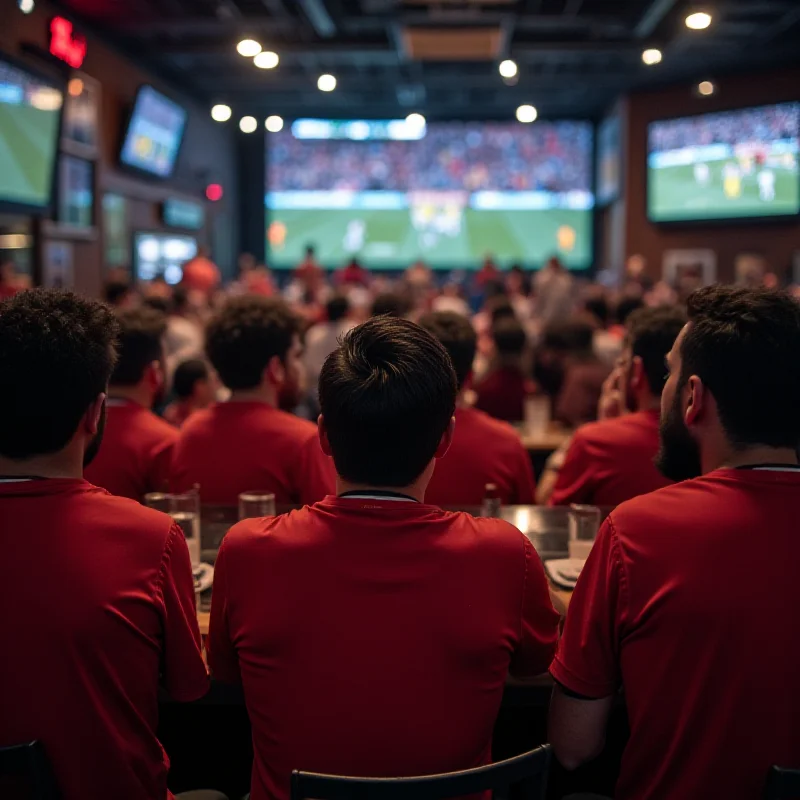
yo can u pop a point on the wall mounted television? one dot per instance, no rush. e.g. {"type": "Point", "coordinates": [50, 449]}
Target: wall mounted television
{"type": "Point", "coordinates": [161, 254]}
{"type": "Point", "coordinates": [725, 165]}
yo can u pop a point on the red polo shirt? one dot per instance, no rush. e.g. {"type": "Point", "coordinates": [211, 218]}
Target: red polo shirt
{"type": "Point", "coordinates": [502, 394]}
{"type": "Point", "coordinates": [373, 636]}
{"type": "Point", "coordinates": [610, 461]}
{"type": "Point", "coordinates": [136, 451]}
{"type": "Point", "coordinates": [484, 450]}
{"type": "Point", "coordinates": [235, 447]}
{"type": "Point", "coordinates": [98, 608]}
{"type": "Point", "coordinates": [690, 601]}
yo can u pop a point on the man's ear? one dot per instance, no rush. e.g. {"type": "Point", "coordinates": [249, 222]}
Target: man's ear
{"type": "Point", "coordinates": [637, 373]}
{"type": "Point", "coordinates": [696, 401]}
{"type": "Point", "coordinates": [275, 372]}
{"type": "Point", "coordinates": [446, 440]}
{"type": "Point", "coordinates": [91, 419]}
{"type": "Point", "coordinates": [323, 436]}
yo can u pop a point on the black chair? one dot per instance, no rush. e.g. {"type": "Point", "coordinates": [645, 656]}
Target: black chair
{"type": "Point", "coordinates": [782, 784]}
{"type": "Point", "coordinates": [527, 771]}
{"type": "Point", "coordinates": [25, 769]}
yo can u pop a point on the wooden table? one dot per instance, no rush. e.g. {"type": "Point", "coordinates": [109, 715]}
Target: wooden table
{"type": "Point", "coordinates": [548, 441]}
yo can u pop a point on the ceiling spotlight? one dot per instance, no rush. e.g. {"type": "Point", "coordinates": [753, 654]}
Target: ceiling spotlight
{"type": "Point", "coordinates": [698, 21]}
{"type": "Point", "coordinates": [651, 56]}
{"type": "Point", "coordinates": [527, 113]}
{"type": "Point", "coordinates": [26, 6]}
{"type": "Point", "coordinates": [326, 83]}
{"type": "Point", "coordinates": [248, 48]}
{"type": "Point", "coordinates": [415, 120]}
{"type": "Point", "coordinates": [273, 123]}
{"type": "Point", "coordinates": [220, 112]}
{"type": "Point", "coordinates": [706, 88]}
{"type": "Point", "coordinates": [508, 68]}
{"type": "Point", "coordinates": [247, 124]}
{"type": "Point", "coordinates": [266, 59]}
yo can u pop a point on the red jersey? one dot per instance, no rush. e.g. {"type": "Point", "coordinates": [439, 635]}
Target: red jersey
{"type": "Point", "coordinates": [484, 450]}
{"type": "Point", "coordinates": [98, 602]}
{"type": "Point", "coordinates": [230, 448]}
{"type": "Point", "coordinates": [177, 412]}
{"type": "Point", "coordinates": [398, 624]}
{"type": "Point", "coordinates": [610, 461]}
{"type": "Point", "coordinates": [690, 601]}
{"type": "Point", "coordinates": [502, 394]}
{"type": "Point", "coordinates": [135, 455]}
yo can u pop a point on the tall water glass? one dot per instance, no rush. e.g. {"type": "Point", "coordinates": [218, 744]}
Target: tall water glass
{"type": "Point", "coordinates": [256, 504]}
{"type": "Point", "coordinates": [185, 510]}
{"type": "Point", "coordinates": [584, 522]}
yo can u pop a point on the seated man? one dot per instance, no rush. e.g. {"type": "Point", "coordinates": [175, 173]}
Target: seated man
{"type": "Point", "coordinates": [611, 461]}
{"type": "Point", "coordinates": [484, 450]}
{"type": "Point", "coordinates": [690, 599]}
{"type": "Point", "coordinates": [195, 387]}
{"type": "Point", "coordinates": [248, 443]}
{"type": "Point", "coordinates": [96, 591]}
{"type": "Point", "coordinates": [138, 444]}
{"type": "Point", "coordinates": [392, 622]}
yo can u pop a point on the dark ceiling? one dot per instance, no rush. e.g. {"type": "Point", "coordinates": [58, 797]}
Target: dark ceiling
{"type": "Point", "coordinates": [391, 57]}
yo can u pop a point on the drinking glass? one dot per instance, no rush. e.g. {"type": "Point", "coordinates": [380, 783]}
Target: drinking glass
{"type": "Point", "coordinates": [185, 510]}
{"type": "Point", "coordinates": [157, 500]}
{"type": "Point", "coordinates": [537, 415]}
{"type": "Point", "coordinates": [584, 522]}
{"type": "Point", "coordinates": [256, 504]}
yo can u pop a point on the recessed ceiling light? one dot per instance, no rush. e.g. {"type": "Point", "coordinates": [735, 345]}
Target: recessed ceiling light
{"type": "Point", "coordinates": [273, 123]}
{"type": "Point", "coordinates": [26, 6]}
{"type": "Point", "coordinates": [247, 124]}
{"type": "Point", "coordinates": [220, 112]}
{"type": "Point", "coordinates": [698, 21]}
{"type": "Point", "coordinates": [527, 113]}
{"type": "Point", "coordinates": [415, 120]}
{"type": "Point", "coordinates": [248, 48]}
{"type": "Point", "coordinates": [326, 83]}
{"type": "Point", "coordinates": [508, 68]}
{"type": "Point", "coordinates": [266, 59]}
{"type": "Point", "coordinates": [652, 56]}
{"type": "Point", "coordinates": [706, 88]}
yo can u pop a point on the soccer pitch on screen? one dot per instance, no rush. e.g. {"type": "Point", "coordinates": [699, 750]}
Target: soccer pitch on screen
{"type": "Point", "coordinates": [446, 232]}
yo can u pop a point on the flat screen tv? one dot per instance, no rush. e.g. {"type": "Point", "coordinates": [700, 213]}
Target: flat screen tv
{"type": "Point", "coordinates": [76, 192]}
{"type": "Point", "coordinates": [30, 121]}
{"type": "Point", "coordinates": [154, 134]}
{"type": "Point", "coordinates": [726, 165]}
{"type": "Point", "coordinates": [161, 254]}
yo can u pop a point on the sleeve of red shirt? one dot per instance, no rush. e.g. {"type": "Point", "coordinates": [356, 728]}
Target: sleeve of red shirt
{"type": "Point", "coordinates": [315, 476]}
{"type": "Point", "coordinates": [573, 481]}
{"type": "Point", "coordinates": [538, 621]}
{"type": "Point", "coordinates": [222, 656]}
{"type": "Point", "coordinates": [184, 674]}
{"type": "Point", "coordinates": [587, 661]}
{"type": "Point", "coordinates": [525, 489]}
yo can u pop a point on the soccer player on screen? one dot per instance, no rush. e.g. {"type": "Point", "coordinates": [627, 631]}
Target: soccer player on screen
{"type": "Point", "coordinates": [732, 180]}
{"type": "Point", "coordinates": [766, 185]}
{"type": "Point", "coordinates": [702, 174]}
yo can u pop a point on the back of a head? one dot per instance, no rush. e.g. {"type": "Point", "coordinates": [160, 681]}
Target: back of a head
{"type": "Point", "coordinates": [187, 374]}
{"type": "Point", "coordinates": [458, 336]}
{"type": "Point", "coordinates": [140, 344]}
{"type": "Point", "coordinates": [116, 292]}
{"type": "Point", "coordinates": [598, 308]}
{"type": "Point", "coordinates": [651, 334]}
{"type": "Point", "coordinates": [337, 308]}
{"type": "Point", "coordinates": [390, 304]}
{"type": "Point", "coordinates": [387, 394]}
{"type": "Point", "coordinates": [509, 337]}
{"type": "Point", "coordinates": [743, 344]}
{"type": "Point", "coordinates": [625, 307]}
{"type": "Point", "coordinates": [57, 351]}
{"type": "Point", "coordinates": [245, 335]}
{"type": "Point", "coordinates": [500, 307]}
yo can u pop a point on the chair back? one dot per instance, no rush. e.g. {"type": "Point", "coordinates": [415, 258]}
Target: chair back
{"type": "Point", "coordinates": [782, 784]}
{"type": "Point", "coordinates": [25, 773]}
{"type": "Point", "coordinates": [527, 771]}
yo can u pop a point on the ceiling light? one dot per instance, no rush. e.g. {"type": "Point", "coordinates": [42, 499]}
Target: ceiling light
{"type": "Point", "coordinates": [273, 123]}
{"type": "Point", "coordinates": [415, 120]}
{"type": "Point", "coordinates": [266, 60]}
{"type": "Point", "coordinates": [220, 113]}
{"type": "Point", "coordinates": [247, 124]}
{"type": "Point", "coordinates": [527, 113]}
{"type": "Point", "coordinates": [248, 48]}
{"type": "Point", "coordinates": [508, 68]}
{"type": "Point", "coordinates": [698, 21]}
{"type": "Point", "coordinates": [706, 88]}
{"type": "Point", "coordinates": [26, 6]}
{"type": "Point", "coordinates": [651, 56]}
{"type": "Point", "coordinates": [326, 83]}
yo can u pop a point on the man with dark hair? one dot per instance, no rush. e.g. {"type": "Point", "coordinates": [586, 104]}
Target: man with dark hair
{"type": "Point", "coordinates": [195, 388]}
{"type": "Point", "coordinates": [690, 600]}
{"type": "Point", "coordinates": [611, 461]}
{"type": "Point", "coordinates": [484, 450]}
{"type": "Point", "coordinates": [322, 338]}
{"type": "Point", "coordinates": [248, 443]}
{"type": "Point", "coordinates": [390, 304]}
{"type": "Point", "coordinates": [97, 592]}
{"type": "Point", "coordinates": [416, 613]}
{"type": "Point", "coordinates": [138, 444]}
{"type": "Point", "coordinates": [118, 294]}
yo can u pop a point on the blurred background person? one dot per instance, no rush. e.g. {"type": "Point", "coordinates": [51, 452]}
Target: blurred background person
{"type": "Point", "coordinates": [554, 289]}
{"type": "Point", "coordinates": [201, 274]}
{"type": "Point", "coordinates": [322, 338]}
{"type": "Point", "coordinates": [194, 387]}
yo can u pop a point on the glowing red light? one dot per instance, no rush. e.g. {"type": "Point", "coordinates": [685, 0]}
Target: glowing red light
{"type": "Point", "coordinates": [214, 192]}
{"type": "Point", "coordinates": [65, 43]}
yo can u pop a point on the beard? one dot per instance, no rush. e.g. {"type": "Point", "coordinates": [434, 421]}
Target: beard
{"type": "Point", "coordinates": [678, 457]}
{"type": "Point", "coordinates": [94, 446]}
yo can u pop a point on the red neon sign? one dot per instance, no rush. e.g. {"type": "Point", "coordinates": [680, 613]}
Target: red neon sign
{"type": "Point", "coordinates": [65, 43]}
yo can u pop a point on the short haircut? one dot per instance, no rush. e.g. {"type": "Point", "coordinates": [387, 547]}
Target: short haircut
{"type": "Point", "coordinates": [116, 291]}
{"type": "Point", "coordinates": [509, 336]}
{"type": "Point", "coordinates": [598, 307]}
{"type": "Point", "coordinates": [161, 304]}
{"type": "Point", "coordinates": [458, 336]}
{"type": "Point", "coordinates": [337, 307]}
{"type": "Point", "coordinates": [140, 333]}
{"type": "Point", "coordinates": [625, 307]}
{"type": "Point", "coordinates": [651, 334]}
{"type": "Point", "coordinates": [500, 307]}
{"type": "Point", "coordinates": [244, 336]}
{"type": "Point", "coordinates": [57, 351]}
{"type": "Point", "coordinates": [389, 304]}
{"type": "Point", "coordinates": [744, 345]}
{"type": "Point", "coordinates": [387, 394]}
{"type": "Point", "coordinates": [187, 374]}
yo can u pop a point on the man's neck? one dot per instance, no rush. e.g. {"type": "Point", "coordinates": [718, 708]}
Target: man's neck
{"type": "Point", "coordinates": [64, 464]}
{"type": "Point", "coordinates": [261, 394]}
{"type": "Point", "coordinates": [756, 456]}
{"type": "Point", "coordinates": [140, 395]}
{"type": "Point", "coordinates": [416, 490]}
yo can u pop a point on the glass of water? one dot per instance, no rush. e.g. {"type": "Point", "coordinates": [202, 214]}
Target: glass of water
{"type": "Point", "coordinates": [256, 504]}
{"type": "Point", "coordinates": [537, 415]}
{"type": "Point", "coordinates": [157, 500]}
{"type": "Point", "coordinates": [584, 522]}
{"type": "Point", "coordinates": [185, 510]}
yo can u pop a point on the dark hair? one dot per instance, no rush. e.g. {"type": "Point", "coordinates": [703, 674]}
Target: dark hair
{"type": "Point", "coordinates": [337, 307]}
{"type": "Point", "coordinates": [457, 335]}
{"type": "Point", "coordinates": [140, 333]}
{"type": "Point", "coordinates": [625, 307]}
{"type": "Point", "coordinates": [180, 299]}
{"type": "Point", "coordinates": [57, 351]}
{"type": "Point", "coordinates": [187, 374]}
{"type": "Point", "coordinates": [744, 344]}
{"type": "Point", "coordinates": [651, 334]}
{"type": "Point", "coordinates": [115, 292]}
{"type": "Point", "coordinates": [389, 304]}
{"type": "Point", "coordinates": [500, 307]}
{"type": "Point", "coordinates": [509, 336]}
{"type": "Point", "coordinates": [387, 394]}
{"type": "Point", "coordinates": [245, 335]}
{"type": "Point", "coordinates": [598, 307]}
{"type": "Point", "coordinates": [161, 304]}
